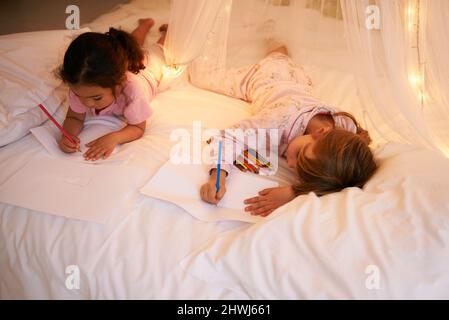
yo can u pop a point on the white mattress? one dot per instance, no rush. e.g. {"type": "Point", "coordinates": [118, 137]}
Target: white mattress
{"type": "Point", "coordinates": [137, 253]}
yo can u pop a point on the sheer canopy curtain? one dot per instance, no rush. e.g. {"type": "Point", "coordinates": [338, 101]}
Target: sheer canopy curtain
{"type": "Point", "coordinates": [209, 64]}
{"type": "Point", "coordinates": [190, 23]}
{"type": "Point", "coordinates": [399, 67]}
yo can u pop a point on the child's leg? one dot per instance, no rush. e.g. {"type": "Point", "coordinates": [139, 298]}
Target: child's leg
{"type": "Point", "coordinates": [235, 82]}
{"type": "Point", "coordinates": [245, 83]}
{"type": "Point", "coordinates": [142, 30]}
{"type": "Point", "coordinates": [276, 80]}
{"type": "Point", "coordinates": [263, 83]}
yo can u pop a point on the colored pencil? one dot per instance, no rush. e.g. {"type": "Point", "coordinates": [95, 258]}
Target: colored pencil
{"type": "Point", "coordinates": [57, 124]}
{"type": "Point", "coordinates": [217, 183]}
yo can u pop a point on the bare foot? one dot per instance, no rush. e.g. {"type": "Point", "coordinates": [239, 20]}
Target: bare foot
{"type": "Point", "coordinates": [142, 30]}
{"type": "Point", "coordinates": [163, 30]}
{"type": "Point", "coordinates": [281, 48]}
{"type": "Point", "coordinates": [276, 46]}
{"type": "Point", "coordinates": [146, 22]}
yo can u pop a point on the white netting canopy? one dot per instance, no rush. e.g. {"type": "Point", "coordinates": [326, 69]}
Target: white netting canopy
{"type": "Point", "coordinates": [381, 60]}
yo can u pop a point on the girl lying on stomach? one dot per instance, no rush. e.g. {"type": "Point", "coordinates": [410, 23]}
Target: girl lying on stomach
{"type": "Point", "coordinates": [107, 75]}
{"type": "Point", "coordinates": [326, 148]}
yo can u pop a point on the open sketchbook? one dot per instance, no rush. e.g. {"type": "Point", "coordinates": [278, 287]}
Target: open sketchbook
{"type": "Point", "coordinates": [180, 184]}
{"type": "Point", "coordinates": [48, 135]}
{"type": "Point", "coordinates": [71, 189]}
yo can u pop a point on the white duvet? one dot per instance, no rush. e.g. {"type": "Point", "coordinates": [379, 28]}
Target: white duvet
{"type": "Point", "coordinates": [389, 241]}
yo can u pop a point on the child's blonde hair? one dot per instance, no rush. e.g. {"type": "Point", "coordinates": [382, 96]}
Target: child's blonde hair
{"type": "Point", "coordinates": [343, 159]}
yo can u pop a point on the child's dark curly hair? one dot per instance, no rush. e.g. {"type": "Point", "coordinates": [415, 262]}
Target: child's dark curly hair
{"type": "Point", "coordinates": [101, 59]}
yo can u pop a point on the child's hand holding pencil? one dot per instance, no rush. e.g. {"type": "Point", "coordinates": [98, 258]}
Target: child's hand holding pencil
{"type": "Point", "coordinates": [209, 191]}
{"type": "Point", "coordinates": [68, 143]}
{"type": "Point", "coordinates": [69, 146]}
{"type": "Point", "coordinates": [214, 190]}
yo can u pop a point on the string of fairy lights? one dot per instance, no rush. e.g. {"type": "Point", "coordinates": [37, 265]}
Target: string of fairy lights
{"type": "Point", "coordinates": [416, 77]}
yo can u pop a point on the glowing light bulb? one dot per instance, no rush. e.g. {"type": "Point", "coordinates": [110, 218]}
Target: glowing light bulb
{"type": "Point", "coordinates": [414, 80]}
{"type": "Point", "coordinates": [411, 10]}
{"type": "Point", "coordinates": [172, 71]}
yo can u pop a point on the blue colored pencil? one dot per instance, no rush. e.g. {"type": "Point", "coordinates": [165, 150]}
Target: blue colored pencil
{"type": "Point", "coordinates": [217, 183]}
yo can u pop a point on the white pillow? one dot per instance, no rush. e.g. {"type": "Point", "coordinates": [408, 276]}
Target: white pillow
{"type": "Point", "coordinates": [27, 65]}
{"type": "Point", "coordinates": [335, 246]}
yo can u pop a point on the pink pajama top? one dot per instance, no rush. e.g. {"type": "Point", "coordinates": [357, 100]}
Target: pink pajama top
{"type": "Point", "coordinates": [133, 103]}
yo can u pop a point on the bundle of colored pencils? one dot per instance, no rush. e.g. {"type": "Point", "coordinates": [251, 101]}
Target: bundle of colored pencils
{"type": "Point", "coordinates": [250, 160]}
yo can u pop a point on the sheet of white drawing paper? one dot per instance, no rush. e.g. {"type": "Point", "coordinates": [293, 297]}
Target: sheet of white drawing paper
{"type": "Point", "coordinates": [180, 184]}
{"type": "Point", "coordinates": [71, 189]}
{"type": "Point", "coordinates": [48, 135]}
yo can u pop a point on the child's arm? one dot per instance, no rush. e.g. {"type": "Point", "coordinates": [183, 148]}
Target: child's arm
{"type": "Point", "coordinates": [73, 124]}
{"type": "Point", "coordinates": [208, 190]}
{"type": "Point", "coordinates": [103, 146]}
{"type": "Point", "coordinates": [269, 200]}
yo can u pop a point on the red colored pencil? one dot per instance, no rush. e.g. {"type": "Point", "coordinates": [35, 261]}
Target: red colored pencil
{"type": "Point", "coordinates": [57, 124]}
